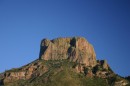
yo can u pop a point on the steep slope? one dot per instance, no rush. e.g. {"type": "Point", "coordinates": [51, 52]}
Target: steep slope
{"type": "Point", "coordinates": [64, 62]}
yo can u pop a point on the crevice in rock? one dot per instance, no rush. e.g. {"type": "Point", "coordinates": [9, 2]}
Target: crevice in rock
{"type": "Point", "coordinates": [73, 42]}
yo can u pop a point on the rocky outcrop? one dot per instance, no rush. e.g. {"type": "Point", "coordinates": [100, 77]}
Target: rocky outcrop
{"type": "Point", "coordinates": [26, 72]}
{"type": "Point", "coordinates": [121, 83]}
{"type": "Point", "coordinates": [13, 76]}
{"type": "Point", "coordinates": [62, 54]}
{"type": "Point", "coordinates": [103, 64]}
{"type": "Point", "coordinates": [76, 49]}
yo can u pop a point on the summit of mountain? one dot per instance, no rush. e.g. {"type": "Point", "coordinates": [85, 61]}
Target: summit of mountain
{"type": "Point", "coordinates": [64, 61]}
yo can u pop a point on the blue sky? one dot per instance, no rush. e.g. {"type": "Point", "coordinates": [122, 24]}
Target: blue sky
{"type": "Point", "coordinates": [104, 23]}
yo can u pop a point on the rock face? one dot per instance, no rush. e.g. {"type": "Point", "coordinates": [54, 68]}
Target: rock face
{"type": "Point", "coordinates": [71, 57]}
{"type": "Point", "coordinates": [121, 83]}
{"type": "Point", "coordinates": [31, 70]}
{"type": "Point", "coordinates": [76, 49]}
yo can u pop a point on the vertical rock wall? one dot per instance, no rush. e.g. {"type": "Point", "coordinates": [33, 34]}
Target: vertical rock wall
{"type": "Point", "coordinates": [76, 49]}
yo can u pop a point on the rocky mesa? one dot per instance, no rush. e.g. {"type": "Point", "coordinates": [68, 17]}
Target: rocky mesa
{"type": "Point", "coordinates": [76, 49]}
{"type": "Point", "coordinates": [64, 61]}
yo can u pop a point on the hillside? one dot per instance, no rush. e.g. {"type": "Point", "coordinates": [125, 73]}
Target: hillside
{"type": "Point", "coordinates": [64, 62]}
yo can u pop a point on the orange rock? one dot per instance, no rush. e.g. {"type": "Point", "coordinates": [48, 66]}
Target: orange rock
{"type": "Point", "coordinates": [76, 49]}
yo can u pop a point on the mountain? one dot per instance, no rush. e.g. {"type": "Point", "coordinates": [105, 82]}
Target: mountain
{"type": "Point", "coordinates": [64, 62]}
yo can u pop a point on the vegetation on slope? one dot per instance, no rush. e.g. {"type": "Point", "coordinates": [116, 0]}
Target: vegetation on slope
{"type": "Point", "coordinates": [62, 73]}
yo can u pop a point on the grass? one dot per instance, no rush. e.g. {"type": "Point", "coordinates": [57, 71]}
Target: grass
{"type": "Point", "coordinates": [60, 73]}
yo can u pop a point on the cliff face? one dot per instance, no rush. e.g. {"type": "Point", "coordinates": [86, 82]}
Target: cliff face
{"type": "Point", "coordinates": [70, 60]}
{"type": "Point", "coordinates": [76, 49]}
